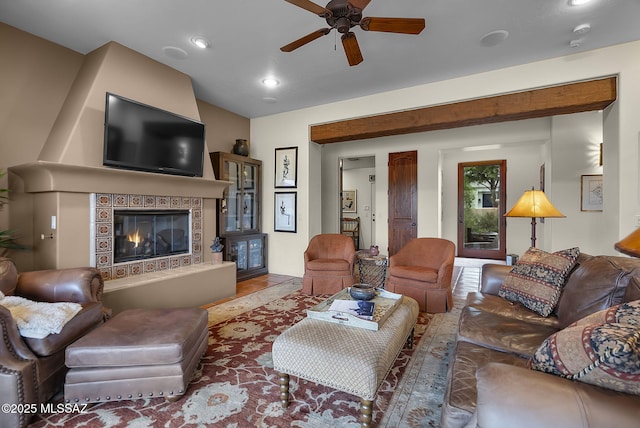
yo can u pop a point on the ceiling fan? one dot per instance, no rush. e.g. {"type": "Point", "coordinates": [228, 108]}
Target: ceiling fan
{"type": "Point", "coordinates": [345, 14]}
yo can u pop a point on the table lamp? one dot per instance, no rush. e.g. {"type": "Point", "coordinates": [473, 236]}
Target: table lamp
{"type": "Point", "coordinates": [630, 245]}
{"type": "Point", "coordinates": [534, 204]}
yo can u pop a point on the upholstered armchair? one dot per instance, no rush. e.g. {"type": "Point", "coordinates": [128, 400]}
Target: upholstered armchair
{"type": "Point", "coordinates": [422, 269]}
{"type": "Point", "coordinates": [328, 264]}
{"type": "Point", "coordinates": [32, 370]}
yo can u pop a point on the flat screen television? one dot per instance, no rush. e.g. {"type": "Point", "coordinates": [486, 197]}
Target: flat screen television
{"type": "Point", "coordinates": [145, 138]}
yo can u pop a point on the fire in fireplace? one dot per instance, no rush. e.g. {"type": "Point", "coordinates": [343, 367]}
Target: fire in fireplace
{"type": "Point", "coordinates": [144, 234]}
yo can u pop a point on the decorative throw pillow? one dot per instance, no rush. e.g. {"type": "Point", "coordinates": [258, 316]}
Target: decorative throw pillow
{"type": "Point", "coordinates": [605, 355]}
{"type": "Point", "coordinates": [537, 278]}
{"type": "Point", "coordinates": [624, 313]}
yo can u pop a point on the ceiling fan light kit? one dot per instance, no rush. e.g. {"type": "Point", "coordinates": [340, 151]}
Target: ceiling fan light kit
{"type": "Point", "coordinates": [343, 15]}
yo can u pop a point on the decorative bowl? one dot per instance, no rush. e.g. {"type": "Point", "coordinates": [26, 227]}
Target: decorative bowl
{"type": "Point", "coordinates": [362, 292]}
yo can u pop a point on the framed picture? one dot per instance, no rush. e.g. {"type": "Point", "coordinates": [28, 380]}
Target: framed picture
{"type": "Point", "coordinates": [349, 201]}
{"type": "Point", "coordinates": [286, 174]}
{"type": "Point", "coordinates": [591, 192]}
{"type": "Point", "coordinates": [285, 212]}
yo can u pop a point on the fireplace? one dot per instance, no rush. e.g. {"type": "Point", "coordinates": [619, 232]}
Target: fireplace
{"type": "Point", "coordinates": [147, 234]}
{"type": "Point", "coordinates": [139, 234]}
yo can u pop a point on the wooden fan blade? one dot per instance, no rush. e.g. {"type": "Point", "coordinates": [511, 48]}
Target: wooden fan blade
{"type": "Point", "coordinates": [311, 7]}
{"type": "Point", "coordinates": [306, 39]}
{"type": "Point", "coordinates": [351, 48]}
{"type": "Point", "coordinates": [360, 4]}
{"type": "Point", "coordinates": [393, 25]}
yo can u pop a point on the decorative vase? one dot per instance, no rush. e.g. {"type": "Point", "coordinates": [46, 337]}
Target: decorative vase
{"type": "Point", "coordinates": [362, 292]}
{"type": "Point", "coordinates": [373, 250]}
{"type": "Point", "coordinates": [216, 258]}
{"type": "Point", "coordinates": [241, 147]}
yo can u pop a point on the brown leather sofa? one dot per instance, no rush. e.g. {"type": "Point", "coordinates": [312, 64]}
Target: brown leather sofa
{"type": "Point", "coordinates": [32, 370]}
{"type": "Point", "coordinates": [489, 384]}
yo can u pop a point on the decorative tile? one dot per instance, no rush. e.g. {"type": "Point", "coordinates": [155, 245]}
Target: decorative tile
{"type": "Point", "coordinates": [163, 201]}
{"type": "Point", "coordinates": [196, 202]}
{"type": "Point", "coordinates": [163, 264]}
{"type": "Point", "coordinates": [104, 215]}
{"type": "Point", "coordinates": [104, 260]}
{"type": "Point", "coordinates": [176, 202]}
{"type": "Point", "coordinates": [196, 213]}
{"type": "Point", "coordinates": [103, 200]}
{"type": "Point", "coordinates": [104, 229]}
{"type": "Point", "coordinates": [150, 201]}
{"type": "Point", "coordinates": [186, 202]}
{"type": "Point", "coordinates": [196, 225]}
{"type": "Point", "coordinates": [185, 261]}
{"type": "Point", "coordinates": [120, 271]}
{"type": "Point", "coordinates": [103, 245]}
{"type": "Point", "coordinates": [135, 201]}
{"type": "Point", "coordinates": [136, 268]}
{"type": "Point", "coordinates": [175, 262]}
{"type": "Point", "coordinates": [149, 265]}
{"type": "Point", "coordinates": [120, 201]}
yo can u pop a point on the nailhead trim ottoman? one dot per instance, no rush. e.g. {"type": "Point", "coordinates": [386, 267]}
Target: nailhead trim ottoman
{"type": "Point", "coordinates": [139, 353]}
{"type": "Point", "coordinates": [350, 359]}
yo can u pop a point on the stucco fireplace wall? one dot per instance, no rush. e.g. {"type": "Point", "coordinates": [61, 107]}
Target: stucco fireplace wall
{"type": "Point", "coordinates": [69, 170]}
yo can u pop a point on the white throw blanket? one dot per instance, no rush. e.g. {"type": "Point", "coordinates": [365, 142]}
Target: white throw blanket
{"type": "Point", "coordinates": [39, 319]}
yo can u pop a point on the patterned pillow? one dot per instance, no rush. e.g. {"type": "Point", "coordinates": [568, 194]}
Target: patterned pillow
{"type": "Point", "coordinates": [624, 313]}
{"type": "Point", "coordinates": [606, 355]}
{"type": "Point", "coordinates": [537, 278]}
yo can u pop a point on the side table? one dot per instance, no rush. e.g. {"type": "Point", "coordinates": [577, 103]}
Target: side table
{"type": "Point", "coordinates": [373, 269]}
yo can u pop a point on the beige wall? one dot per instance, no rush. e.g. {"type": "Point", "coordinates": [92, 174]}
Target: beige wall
{"type": "Point", "coordinates": [35, 78]}
{"type": "Point", "coordinates": [223, 127]}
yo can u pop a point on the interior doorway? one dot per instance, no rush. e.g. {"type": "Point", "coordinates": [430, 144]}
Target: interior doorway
{"type": "Point", "coordinates": [357, 187]}
{"type": "Point", "coordinates": [481, 199]}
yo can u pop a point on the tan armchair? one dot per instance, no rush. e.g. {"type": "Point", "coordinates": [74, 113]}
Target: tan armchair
{"type": "Point", "coordinates": [32, 370]}
{"type": "Point", "coordinates": [422, 269]}
{"type": "Point", "coordinates": [328, 264]}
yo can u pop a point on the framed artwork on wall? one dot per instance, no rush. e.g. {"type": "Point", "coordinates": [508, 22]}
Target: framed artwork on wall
{"type": "Point", "coordinates": [286, 174]}
{"type": "Point", "coordinates": [349, 201]}
{"type": "Point", "coordinates": [285, 212]}
{"type": "Point", "coordinates": [591, 192]}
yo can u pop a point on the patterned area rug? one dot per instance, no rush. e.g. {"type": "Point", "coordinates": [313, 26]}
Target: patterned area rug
{"type": "Point", "coordinates": [236, 386]}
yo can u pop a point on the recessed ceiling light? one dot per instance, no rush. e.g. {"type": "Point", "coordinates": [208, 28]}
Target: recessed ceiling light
{"type": "Point", "coordinates": [494, 38]}
{"type": "Point", "coordinates": [578, 2]}
{"type": "Point", "coordinates": [270, 82]}
{"type": "Point", "coordinates": [174, 52]}
{"type": "Point", "coordinates": [582, 29]}
{"type": "Point", "coordinates": [200, 42]}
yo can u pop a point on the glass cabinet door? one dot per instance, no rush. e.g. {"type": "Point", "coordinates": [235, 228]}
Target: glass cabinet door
{"type": "Point", "coordinates": [232, 203]}
{"type": "Point", "coordinates": [250, 203]}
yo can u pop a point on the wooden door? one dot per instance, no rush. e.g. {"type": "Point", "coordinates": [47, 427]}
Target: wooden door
{"type": "Point", "coordinates": [403, 199]}
{"type": "Point", "coordinates": [482, 190]}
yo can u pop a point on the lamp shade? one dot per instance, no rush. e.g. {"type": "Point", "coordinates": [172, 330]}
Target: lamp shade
{"type": "Point", "coordinates": [630, 245]}
{"type": "Point", "coordinates": [534, 204]}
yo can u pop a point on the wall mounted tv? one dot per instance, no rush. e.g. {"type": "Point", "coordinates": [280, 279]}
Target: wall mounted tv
{"type": "Point", "coordinates": [144, 138]}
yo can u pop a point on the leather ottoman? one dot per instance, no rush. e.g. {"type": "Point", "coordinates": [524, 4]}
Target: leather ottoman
{"type": "Point", "coordinates": [139, 353]}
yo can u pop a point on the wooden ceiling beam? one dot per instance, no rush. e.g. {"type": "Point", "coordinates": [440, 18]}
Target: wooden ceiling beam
{"type": "Point", "coordinates": [549, 101]}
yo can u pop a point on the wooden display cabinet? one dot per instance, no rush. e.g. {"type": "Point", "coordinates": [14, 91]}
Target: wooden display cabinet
{"type": "Point", "coordinates": [238, 213]}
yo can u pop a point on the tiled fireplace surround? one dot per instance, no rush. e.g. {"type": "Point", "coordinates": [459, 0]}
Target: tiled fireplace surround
{"type": "Point", "coordinates": [104, 205]}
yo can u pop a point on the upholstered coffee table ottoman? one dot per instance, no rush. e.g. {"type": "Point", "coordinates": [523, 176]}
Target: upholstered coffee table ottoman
{"type": "Point", "coordinates": [350, 359]}
{"type": "Point", "coordinates": [139, 353]}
